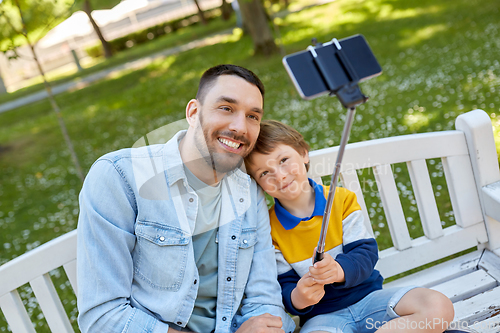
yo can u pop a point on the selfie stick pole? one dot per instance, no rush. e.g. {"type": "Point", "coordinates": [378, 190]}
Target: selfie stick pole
{"type": "Point", "coordinates": [333, 184]}
{"type": "Point", "coordinates": [350, 95]}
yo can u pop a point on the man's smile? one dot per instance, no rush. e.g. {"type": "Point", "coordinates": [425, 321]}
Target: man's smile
{"type": "Point", "coordinates": [233, 145]}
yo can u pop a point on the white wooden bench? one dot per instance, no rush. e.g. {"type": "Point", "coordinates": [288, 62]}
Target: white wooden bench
{"type": "Point", "coordinates": [472, 174]}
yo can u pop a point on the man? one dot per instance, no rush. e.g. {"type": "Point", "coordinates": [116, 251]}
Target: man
{"type": "Point", "coordinates": [193, 252]}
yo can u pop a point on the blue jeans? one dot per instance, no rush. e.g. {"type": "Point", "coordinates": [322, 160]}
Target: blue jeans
{"type": "Point", "coordinates": [365, 316]}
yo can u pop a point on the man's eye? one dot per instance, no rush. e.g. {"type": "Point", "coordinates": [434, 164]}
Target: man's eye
{"type": "Point", "coordinates": [253, 117]}
{"type": "Point", "coordinates": [225, 108]}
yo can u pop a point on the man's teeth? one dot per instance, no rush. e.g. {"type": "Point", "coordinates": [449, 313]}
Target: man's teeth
{"type": "Point", "coordinates": [230, 143]}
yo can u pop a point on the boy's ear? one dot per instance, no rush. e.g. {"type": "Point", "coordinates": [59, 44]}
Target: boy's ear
{"type": "Point", "coordinates": [307, 162]}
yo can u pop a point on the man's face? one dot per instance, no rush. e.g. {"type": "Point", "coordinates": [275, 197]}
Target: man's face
{"type": "Point", "coordinates": [229, 122]}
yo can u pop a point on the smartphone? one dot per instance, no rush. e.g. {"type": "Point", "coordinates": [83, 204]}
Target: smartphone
{"type": "Point", "coordinates": [308, 78]}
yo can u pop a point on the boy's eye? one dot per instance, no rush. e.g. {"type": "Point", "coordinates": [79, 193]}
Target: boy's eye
{"type": "Point", "coordinates": [263, 174]}
{"type": "Point", "coordinates": [283, 160]}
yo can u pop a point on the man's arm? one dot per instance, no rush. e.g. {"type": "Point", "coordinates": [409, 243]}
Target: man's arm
{"type": "Point", "coordinates": [263, 292]}
{"type": "Point", "coordinates": [104, 262]}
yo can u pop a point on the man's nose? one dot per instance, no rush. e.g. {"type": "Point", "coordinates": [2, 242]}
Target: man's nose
{"type": "Point", "coordinates": [238, 123]}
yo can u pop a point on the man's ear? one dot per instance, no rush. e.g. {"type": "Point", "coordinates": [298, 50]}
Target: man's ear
{"type": "Point", "coordinates": [192, 109]}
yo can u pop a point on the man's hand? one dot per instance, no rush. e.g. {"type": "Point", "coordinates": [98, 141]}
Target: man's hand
{"type": "Point", "coordinates": [327, 271]}
{"type": "Point", "coordinates": [265, 323]}
{"type": "Point", "coordinates": [307, 293]}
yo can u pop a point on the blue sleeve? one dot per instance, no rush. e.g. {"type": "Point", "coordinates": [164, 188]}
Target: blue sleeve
{"type": "Point", "coordinates": [288, 282]}
{"type": "Point", "coordinates": [358, 262]}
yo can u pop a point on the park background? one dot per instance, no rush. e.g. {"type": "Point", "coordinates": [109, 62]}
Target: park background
{"type": "Point", "coordinates": [440, 58]}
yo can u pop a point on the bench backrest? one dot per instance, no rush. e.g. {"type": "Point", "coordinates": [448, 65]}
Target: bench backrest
{"type": "Point", "coordinates": [465, 174]}
{"type": "Point", "coordinates": [461, 178]}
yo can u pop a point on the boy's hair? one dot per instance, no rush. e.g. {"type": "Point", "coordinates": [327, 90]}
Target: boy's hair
{"type": "Point", "coordinates": [210, 76]}
{"type": "Point", "coordinates": [273, 133]}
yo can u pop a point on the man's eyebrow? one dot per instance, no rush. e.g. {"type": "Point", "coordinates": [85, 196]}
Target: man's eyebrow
{"type": "Point", "coordinates": [234, 101]}
{"type": "Point", "coordinates": [226, 99]}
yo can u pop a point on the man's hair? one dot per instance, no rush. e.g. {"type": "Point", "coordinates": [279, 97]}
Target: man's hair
{"type": "Point", "coordinates": [273, 133]}
{"type": "Point", "coordinates": [212, 74]}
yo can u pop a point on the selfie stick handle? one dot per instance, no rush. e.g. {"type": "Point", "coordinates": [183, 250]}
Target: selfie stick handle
{"type": "Point", "coordinates": [333, 184]}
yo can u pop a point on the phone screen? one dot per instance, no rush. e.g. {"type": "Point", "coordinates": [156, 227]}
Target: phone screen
{"type": "Point", "coordinates": [307, 77]}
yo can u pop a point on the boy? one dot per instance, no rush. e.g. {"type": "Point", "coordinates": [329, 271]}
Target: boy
{"type": "Point", "coordinates": [343, 292]}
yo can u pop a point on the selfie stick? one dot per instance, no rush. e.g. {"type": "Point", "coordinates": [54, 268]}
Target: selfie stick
{"type": "Point", "coordinates": [350, 96]}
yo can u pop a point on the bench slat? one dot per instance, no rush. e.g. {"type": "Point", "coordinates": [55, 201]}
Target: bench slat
{"type": "Point", "coordinates": [70, 269]}
{"type": "Point", "coordinates": [397, 149]}
{"type": "Point", "coordinates": [491, 325]}
{"type": "Point", "coordinates": [479, 307]}
{"type": "Point", "coordinates": [50, 304]}
{"type": "Point", "coordinates": [440, 273]}
{"type": "Point", "coordinates": [424, 195]}
{"type": "Point", "coordinates": [491, 264]}
{"type": "Point", "coordinates": [351, 182]}
{"type": "Point", "coordinates": [466, 286]}
{"type": "Point", "coordinates": [15, 313]}
{"type": "Point", "coordinates": [424, 251]}
{"type": "Point", "coordinates": [462, 188]}
{"type": "Point", "coordinates": [392, 207]}
{"type": "Point", "coordinates": [41, 260]}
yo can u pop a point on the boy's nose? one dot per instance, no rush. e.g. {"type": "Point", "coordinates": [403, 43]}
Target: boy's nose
{"type": "Point", "coordinates": [280, 174]}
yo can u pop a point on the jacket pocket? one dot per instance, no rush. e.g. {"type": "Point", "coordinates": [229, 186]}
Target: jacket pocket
{"type": "Point", "coordinates": [161, 255]}
{"type": "Point", "coordinates": [248, 239]}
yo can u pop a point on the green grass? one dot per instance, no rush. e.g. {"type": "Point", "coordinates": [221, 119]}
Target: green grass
{"type": "Point", "coordinates": [179, 37]}
{"type": "Point", "coordinates": [440, 59]}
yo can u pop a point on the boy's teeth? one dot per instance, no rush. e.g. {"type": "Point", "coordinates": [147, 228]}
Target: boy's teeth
{"type": "Point", "coordinates": [230, 143]}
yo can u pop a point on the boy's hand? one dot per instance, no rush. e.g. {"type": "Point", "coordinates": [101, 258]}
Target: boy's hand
{"type": "Point", "coordinates": [307, 293]}
{"type": "Point", "coordinates": [327, 271]}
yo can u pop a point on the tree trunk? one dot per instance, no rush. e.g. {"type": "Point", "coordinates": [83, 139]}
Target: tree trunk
{"type": "Point", "coordinates": [60, 119]}
{"type": "Point", "coordinates": [201, 15]}
{"type": "Point", "coordinates": [87, 8]}
{"type": "Point", "coordinates": [226, 10]}
{"type": "Point", "coordinates": [255, 19]}
{"type": "Point", "coordinates": [3, 90]}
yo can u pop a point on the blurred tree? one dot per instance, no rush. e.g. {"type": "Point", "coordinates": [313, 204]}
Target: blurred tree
{"type": "Point", "coordinates": [33, 14]}
{"type": "Point", "coordinates": [255, 20]}
{"type": "Point", "coordinates": [225, 10]}
{"type": "Point", "coordinates": [201, 15]}
{"type": "Point", "coordinates": [87, 8]}
{"type": "Point", "coordinates": [3, 90]}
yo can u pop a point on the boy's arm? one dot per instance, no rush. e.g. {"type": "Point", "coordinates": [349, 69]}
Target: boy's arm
{"type": "Point", "coordinates": [358, 262]}
{"type": "Point", "coordinates": [360, 251]}
{"type": "Point", "coordinates": [300, 296]}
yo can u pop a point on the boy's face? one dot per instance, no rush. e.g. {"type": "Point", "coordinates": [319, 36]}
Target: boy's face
{"type": "Point", "coordinates": [282, 173]}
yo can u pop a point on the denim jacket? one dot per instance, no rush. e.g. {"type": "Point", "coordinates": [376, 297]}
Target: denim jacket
{"type": "Point", "coordinates": [136, 268]}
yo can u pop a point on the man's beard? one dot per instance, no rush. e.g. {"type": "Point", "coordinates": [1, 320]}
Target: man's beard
{"type": "Point", "coordinates": [220, 162]}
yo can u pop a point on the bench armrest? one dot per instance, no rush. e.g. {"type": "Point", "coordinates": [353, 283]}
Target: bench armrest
{"type": "Point", "coordinates": [491, 200]}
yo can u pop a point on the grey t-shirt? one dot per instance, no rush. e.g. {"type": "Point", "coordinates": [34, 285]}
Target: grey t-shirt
{"type": "Point", "coordinates": [205, 253]}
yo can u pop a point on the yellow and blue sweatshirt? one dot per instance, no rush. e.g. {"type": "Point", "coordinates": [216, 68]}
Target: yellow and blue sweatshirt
{"type": "Point", "coordinates": [348, 242]}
